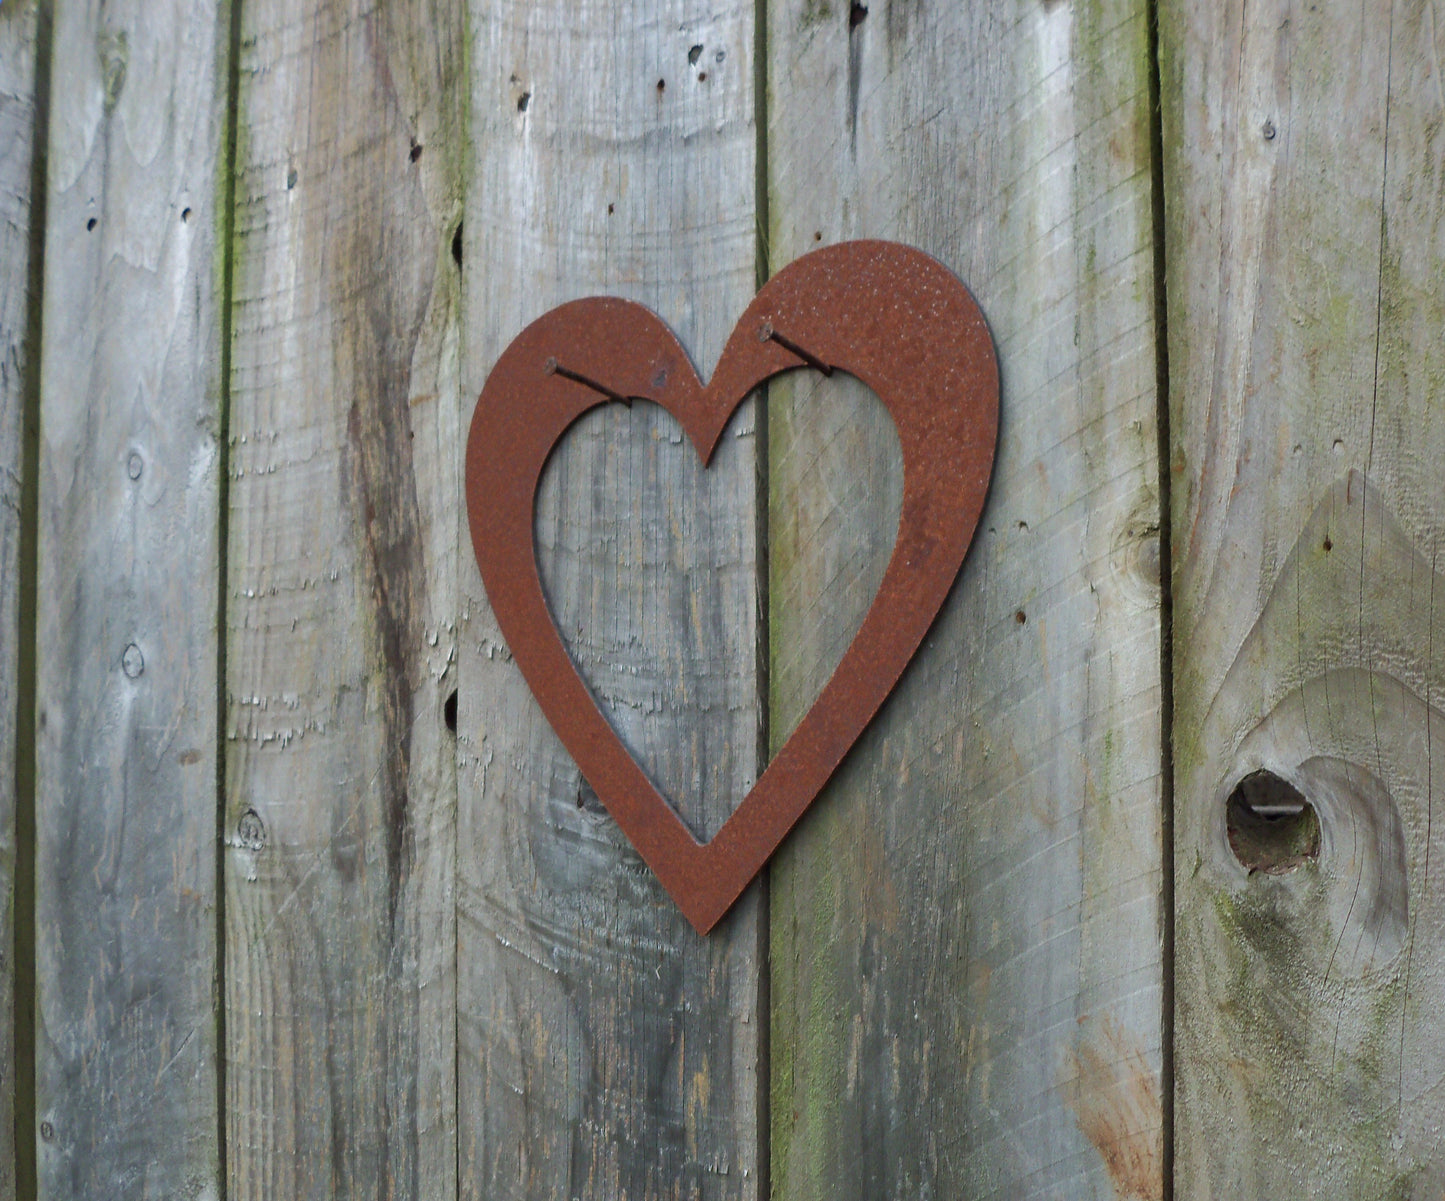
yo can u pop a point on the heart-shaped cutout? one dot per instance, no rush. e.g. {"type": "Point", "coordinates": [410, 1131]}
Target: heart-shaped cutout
{"type": "Point", "coordinates": [888, 314]}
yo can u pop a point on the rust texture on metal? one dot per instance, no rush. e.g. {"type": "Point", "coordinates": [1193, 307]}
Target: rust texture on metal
{"type": "Point", "coordinates": [889, 315]}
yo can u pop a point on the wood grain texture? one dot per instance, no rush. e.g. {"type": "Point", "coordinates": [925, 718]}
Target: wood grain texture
{"type": "Point", "coordinates": [341, 602]}
{"type": "Point", "coordinates": [1303, 160]}
{"type": "Point", "coordinates": [18, 30]}
{"type": "Point", "coordinates": [966, 929]}
{"type": "Point", "coordinates": [130, 474]}
{"type": "Point", "coordinates": [606, 1050]}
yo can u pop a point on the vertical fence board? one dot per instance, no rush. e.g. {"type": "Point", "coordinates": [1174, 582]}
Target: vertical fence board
{"type": "Point", "coordinates": [341, 602]}
{"type": "Point", "coordinates": [130, 463]}
{"type": "Point", "coordinates": [17, 143]}
{"type": "Point", "coordinates": [966, 931]}
{"type": "Point", "coordinates": [1303, 159]}
{"type": "Point", "coordinates": [605, 1049]}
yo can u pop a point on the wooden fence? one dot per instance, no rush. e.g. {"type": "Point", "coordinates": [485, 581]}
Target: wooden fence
{"type": "Point", "coordinates": [303, 896]}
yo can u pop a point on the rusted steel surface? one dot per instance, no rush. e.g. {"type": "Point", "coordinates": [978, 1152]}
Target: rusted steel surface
{"type": "Point", "coordinates": [891, 316]}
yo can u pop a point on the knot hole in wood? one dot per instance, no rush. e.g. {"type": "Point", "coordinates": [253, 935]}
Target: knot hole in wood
{"type": "Point", "coordinates": [1272, 828]}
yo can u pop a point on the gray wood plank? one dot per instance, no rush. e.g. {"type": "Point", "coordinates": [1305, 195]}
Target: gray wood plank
{"type": "Point", "coordinates": [130, 474]}
{"type": "Point", "coordinates": [341, 602]}
{"type": "Point", "coordinates": [605, 1049]}
{"type": "Point", "coordinates": [966, 929]}
{"type": "Point", "coordinates": [1305, 248]}
{"type": "Point", "coordinates": [18, 113]}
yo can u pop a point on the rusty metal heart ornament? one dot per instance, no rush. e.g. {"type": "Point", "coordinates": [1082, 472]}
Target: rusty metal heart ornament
{"type": "Point", "coordinates": [891, 316]}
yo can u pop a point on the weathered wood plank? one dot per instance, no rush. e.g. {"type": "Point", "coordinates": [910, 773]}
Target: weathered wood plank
{"type": "Point", "coordinates": [18, 116]}
{"type": "Point", "coordinates": [130, 475]}
{"type": "Point", "coordinates": [966, 930]}
{"type": "Point", "coordinates": [341, 602]}
{"type": "Point", "coordinates": [605, 1049]}
{"type": "Point", "coordinates": [1305, 239]}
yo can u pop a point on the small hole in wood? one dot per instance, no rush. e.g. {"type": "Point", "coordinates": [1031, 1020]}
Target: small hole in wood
{"type": "Point", "coordinates": [449, 711]}
{"type": "Point", "coordinates": [457, 245]}
{"type": "Point", "coordinates": [291, 179]}
{"type": "Point", "coordinates": [523, 100]}
{"type": "Point", "coordinates": [251, 831]}
{"type": "Point", "coordinates": [1329, 546]}
{"type": "Point", "coordinates": [611, 208]}
{"type": "Point", "coordinates": [415, 151]}
{"type": "Point", "coordinates": [1271, 827]}
{"type": "Point", "coordinates": [661, 86]}
{"type": "Point", "coordinates": [694, 54]}
{"type": "Point", "coordinates": [702, 77]}
{"type": "Point", "coordinates": [185, 215]}
{"type": "Point", "coordinates": [1021, 617]}
{"type": "Point", "coordinates": [817, 235]}
{"type": "Point", "coordinates": [90, 224]}
{"type": "Point", "coordinates": [856, 14]}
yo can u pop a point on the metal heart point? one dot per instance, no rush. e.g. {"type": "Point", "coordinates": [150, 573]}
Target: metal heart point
{"type": "Point", "coordinates": [891, 316]}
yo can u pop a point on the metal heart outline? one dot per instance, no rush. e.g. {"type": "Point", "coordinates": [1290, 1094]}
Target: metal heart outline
{"type": "Point", "coordinates": [883, 312]}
